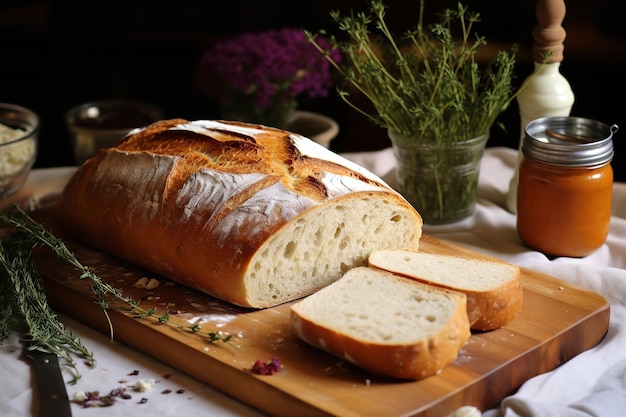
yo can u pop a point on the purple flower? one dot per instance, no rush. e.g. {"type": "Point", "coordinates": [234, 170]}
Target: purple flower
{"type": "Point", "coordinates": [272, 67]}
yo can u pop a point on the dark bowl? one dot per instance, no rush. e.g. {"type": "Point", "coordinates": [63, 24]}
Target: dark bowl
{"type": "Point", "coordinates": [102, 124]}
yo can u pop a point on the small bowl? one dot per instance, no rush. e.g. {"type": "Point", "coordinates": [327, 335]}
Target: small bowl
{"type": "Point", "coordinates": [315, 126]}
{"type": "Point", "coordinates": [102, 124]}
{"type": "Point", "coordinates": [19, 135]}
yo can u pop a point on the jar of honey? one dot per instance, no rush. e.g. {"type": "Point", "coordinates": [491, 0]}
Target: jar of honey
{"type": "Point", "coordinates": [565, 185]}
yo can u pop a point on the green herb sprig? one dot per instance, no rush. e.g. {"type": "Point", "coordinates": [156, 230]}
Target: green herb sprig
{"type": "Point", "coordinates": [25, 308]}
{"type": "Point", "coordinates": [428, 85]}
{"type": "Point", "coordinates": [22, 295]}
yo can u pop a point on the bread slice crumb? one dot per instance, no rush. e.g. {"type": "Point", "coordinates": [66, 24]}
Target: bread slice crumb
{"type": "Point", "coordinates": [493, 287]}
{"type": "Point", "coordinates": [386, 324]}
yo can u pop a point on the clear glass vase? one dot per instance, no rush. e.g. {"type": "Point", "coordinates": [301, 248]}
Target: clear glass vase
{"type": "Point", "coordinates": [440, 178]}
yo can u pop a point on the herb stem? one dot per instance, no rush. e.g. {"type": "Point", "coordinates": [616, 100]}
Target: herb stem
{"type": "Point", "coordinates": [22, 294]}
{"type": "Point", "coordinates": [426, 85]}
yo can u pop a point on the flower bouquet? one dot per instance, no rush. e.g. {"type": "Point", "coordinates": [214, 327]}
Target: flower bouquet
{"type": "Point", "coordinates": [258, 77]}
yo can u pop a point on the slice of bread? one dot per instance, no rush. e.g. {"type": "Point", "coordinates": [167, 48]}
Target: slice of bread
{"type": "Point", "coordinates": [387, 324]}
{"type": "Point", "coordinates": [493, 288]}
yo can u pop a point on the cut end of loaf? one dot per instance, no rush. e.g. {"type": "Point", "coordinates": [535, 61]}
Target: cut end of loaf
{"type": "Point", "coordinates": [313, 251]}
{"type": "Point", "coordinates": [384, 323]}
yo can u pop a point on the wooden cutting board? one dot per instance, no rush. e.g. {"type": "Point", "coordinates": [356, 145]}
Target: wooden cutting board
{"type": "Point", "coordinates": [557, 322]}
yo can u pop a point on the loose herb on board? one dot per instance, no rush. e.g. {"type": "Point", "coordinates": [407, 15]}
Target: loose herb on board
{"type": "Point", "coordinates": [23, 303]}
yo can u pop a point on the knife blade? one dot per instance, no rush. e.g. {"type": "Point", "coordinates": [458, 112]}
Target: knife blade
{"type": "Point", "coordinates": [49, 384]}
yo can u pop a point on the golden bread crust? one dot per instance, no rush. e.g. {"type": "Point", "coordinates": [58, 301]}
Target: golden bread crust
{"type": "Point", "coordinates": [197, 201]}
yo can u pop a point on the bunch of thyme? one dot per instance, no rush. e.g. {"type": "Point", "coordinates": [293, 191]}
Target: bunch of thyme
{"type": "Point", "coordinates": [427, 85]}
{"type": "Point", "coordinates": [25, 308]}
{"type": "Point", "coordinates": [23, 303]}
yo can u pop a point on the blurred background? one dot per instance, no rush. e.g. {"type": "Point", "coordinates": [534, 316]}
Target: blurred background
{"type": "Point", "coordinates": [59, 54]}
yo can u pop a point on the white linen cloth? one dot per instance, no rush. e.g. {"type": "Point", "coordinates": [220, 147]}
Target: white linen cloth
{"type": "Point", "coordinates": [592, 384]}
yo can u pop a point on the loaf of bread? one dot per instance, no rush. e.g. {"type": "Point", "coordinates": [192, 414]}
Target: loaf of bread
{"type": "Point", "coordinates": [252, 215]}
{"type": "Point", "coordinates": [493, 288]}
{"type": "Point", "coordinates": [387, 324]}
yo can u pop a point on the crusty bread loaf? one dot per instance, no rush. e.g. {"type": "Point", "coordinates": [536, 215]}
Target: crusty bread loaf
{"type": "Point", "coordinates": [253, 215]}
{"type": "Point", "coordinates": [387, 324]}
{"type": "Point", "coordinates": [493, 288]}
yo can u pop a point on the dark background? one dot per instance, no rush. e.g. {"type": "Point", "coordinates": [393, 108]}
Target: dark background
{"type": "Point", "coordinates": [56, 55]}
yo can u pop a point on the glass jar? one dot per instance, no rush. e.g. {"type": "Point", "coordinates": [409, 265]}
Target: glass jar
{"type": "Point", "coordinates": [565, 185]}
{"type": "Point", "coordinates": [439, 178]}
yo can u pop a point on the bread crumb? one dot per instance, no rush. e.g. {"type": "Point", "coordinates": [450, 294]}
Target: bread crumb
{"type": "Point", "coordinates": [144, 385]}
{"type": "Point", "coordinates": [79, 396]}
{"type": "Point", "coordinates": [141, 283]}
{"type": "Point", "coordinates": [147, 283]}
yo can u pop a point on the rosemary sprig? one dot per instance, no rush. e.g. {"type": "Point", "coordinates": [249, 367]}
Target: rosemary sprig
{"type": "Point", "coordinates": [22, 294]}
{"type": "Point", "coordinates": [25, 306]}
{"type": "Point", "coordinates": [6, 309]}
{"type": "Point", "coordinates": [426, 85]}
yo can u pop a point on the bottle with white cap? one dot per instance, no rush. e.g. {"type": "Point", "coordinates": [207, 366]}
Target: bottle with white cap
{"type": "Point", "coordinates": [546, 92]}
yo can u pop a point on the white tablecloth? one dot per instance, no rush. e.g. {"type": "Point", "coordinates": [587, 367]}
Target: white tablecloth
{"type": "Point", "coordinates": [591, 384]}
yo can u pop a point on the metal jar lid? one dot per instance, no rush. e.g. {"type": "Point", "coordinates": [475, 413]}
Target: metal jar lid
{"type": "Point", "coordinates": [569, 141]}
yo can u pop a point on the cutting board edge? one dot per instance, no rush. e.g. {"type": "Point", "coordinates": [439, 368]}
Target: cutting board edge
{"type": "Point", "coordinates": [445, 404]}
{"type": "Point", "coordinates": [506, 371]}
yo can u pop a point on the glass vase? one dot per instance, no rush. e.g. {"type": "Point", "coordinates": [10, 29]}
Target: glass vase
{"type": "Point", "coordinates": [440, 178]}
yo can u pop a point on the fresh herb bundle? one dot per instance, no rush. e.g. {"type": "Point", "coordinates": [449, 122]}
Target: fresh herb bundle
{"type": "Point", "coordinates": [23, 303]}
{"type": "Point", "coordinates": [24, 306]}
{"type": "Point", "coordinates": [428, 85]}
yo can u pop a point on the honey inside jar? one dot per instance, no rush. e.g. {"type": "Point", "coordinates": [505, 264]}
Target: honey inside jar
{"type": "Point", "coordinates": [565, 186]}
{"type": "Point", "coordinates": [564, 211]}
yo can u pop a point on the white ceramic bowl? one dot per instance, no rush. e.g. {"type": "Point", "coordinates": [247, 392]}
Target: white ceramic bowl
{"type": "Point", "coordinates": [19, 135]}
{"type": "Point", "coordinates": [315, 126]}
{"type": "Point", "coordinates": [101, 124]}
